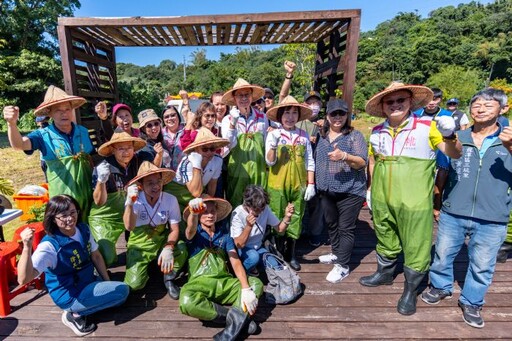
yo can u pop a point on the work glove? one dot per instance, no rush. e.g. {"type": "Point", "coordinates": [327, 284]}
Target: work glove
{"type": "Point", "coordinates": [103, 171]}
{"type": "Point", "coordinates": [369, 199]}
{"type": "Point", "coordinates": [310, 192]}
{"type": "Point", "coordinates": [195, 159]}
{"type": "Point", "coordinates": [166, 260]}
{"type": "Point", "coordinates": [196, 206]}
{"type": "Point", "coordinates": [273, 140]}
{"type": "Point", "coordinates": [132, 194]}
{"type": "Point", "coordinates": [249, 302]}
{"type": "Point", "coordinates": [235, 115]}
{"type": "Point", "coordinates": [445, 125]}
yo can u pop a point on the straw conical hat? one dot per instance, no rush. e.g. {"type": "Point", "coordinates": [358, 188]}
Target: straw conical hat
{"type": "Point", "coordinates": [205, 137]}
{"type": "Point", "coordinates": [119, 136]}
{"type": "Point", "coordinates": [257, 91]}
{"type": "Point", "coordinates": [421, 95]}
{"type": "Point", "coordinates": [223, 208]}
{"type": "Point", "coordinates": [55, 96]}
{"type": "Point", "coordinates": [147, 168]}
{"type": "Point", "coordinates": [304, 110]}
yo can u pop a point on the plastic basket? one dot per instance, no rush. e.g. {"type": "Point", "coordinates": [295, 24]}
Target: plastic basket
{"type": "Point", "coordinates": [25, 202]}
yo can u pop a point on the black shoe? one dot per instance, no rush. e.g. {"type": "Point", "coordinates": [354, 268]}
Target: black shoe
{"type": "Point", "coordinates": [471, 315]}
{"type": "Point", "coordinates": [78, 325]}
{"type": "Point", "coordinates": [315, 241]}
{"type": "Point", "coordinates": [254, 272]}
{"type": "Point", "coordinates": [172, 289]}
{"type": "Point", "coordinates": [434, 296]}
{"type": "Point", "coordinates": [503, 252]}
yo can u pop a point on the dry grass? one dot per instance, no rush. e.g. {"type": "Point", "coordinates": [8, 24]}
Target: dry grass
{"type": "Point", "coordinates": [22, 170]}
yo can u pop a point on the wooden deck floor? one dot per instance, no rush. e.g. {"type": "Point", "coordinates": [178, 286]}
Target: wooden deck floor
{"type": "Point", "coordinates": [345, 310]}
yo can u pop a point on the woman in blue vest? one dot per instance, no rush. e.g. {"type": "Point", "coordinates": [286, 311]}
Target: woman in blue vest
{"type": "Point", "coordinates": [68, 256]}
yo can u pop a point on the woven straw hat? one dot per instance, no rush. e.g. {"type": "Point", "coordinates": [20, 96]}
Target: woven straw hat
{"type": "Point", "coordinates": [304, 110]}
{"type": "Point", "coordinates": [421, 95]}
{"type": "Point", "coordinates": [147, 168]}
{"type": "Point", "coordinates": [257, 91]}
{"type": "Point", "coordinates": [146, 116]}
{"type": "Point", "coordinates": [55, 96]}
{"type": "Point", "coordinates": [205, 137]}
{"type": "Point", "coordinates": [223, 208]}
{"type": "Point", "coordinates": [119, 136]}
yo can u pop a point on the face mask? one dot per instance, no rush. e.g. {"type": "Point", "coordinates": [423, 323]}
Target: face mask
{"type": "Point", "coordinates": [315, 108]}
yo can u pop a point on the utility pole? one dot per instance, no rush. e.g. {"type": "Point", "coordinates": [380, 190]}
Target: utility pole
{"type": "Point", "coordinates": [184, 69]}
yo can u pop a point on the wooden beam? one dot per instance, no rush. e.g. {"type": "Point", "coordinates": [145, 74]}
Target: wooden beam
{"type": "Point", "coordinates": [67, 61]}
{"type": "Point", "coordinates": [349, 61]}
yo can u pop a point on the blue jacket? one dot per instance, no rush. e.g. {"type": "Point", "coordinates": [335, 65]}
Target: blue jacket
{"type": "Point", "coordinates": [479, 187]}
{"type": "Point", "coordinates": [74, 270]}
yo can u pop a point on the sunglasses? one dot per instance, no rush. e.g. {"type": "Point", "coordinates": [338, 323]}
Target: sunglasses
{"type": "Point", "coordinates": [152, 124]}
{"type": "Point", "coordinates": [397, 101]}
{"type": "Point", "coordinates": [338, 113]}
{"type": "Point", "coordinates": [268, 97]}
{"type": "Point", "coordinates": [206, 149]}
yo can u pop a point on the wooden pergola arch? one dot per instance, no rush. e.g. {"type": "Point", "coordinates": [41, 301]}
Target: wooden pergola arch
{"type": "Point", "coordinates": [87, 45]}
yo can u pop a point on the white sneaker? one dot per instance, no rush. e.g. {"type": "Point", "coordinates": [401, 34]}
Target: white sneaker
{"type": "Point", "coordinates": [337, 274]}
{"type": "Point", "coordinates": [328, 258]}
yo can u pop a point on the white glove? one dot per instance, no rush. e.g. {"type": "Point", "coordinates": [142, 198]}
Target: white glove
{"type": "Point", "coordinates": [273, 140]}
{"type": "Point", "coordinates": [132, 194]}
{"type": "Point", "coordinates": [369, 199]}
{"type": "Point", "coordinates": [445, 125]}
{"type": "Point", "coordinates": [310, 192]}
{"type": "Point", "coordinates": [196, 205]}
{"type": "Point", "coordinates": [103, 171]}
{"type": "Point", "coordinates": [235, 115]}
{"type": "Point", "coordinates": [249, 301]}
{"type": "Point", "coordinates": [195, 159]}
{"type": "Point", "coordinates": [166, 260]}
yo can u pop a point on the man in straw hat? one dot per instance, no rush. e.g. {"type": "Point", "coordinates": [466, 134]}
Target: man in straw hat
{"type": "Point", "coordinates": [210, 285]}
{"type": "Point", "coordinates": [64, 145]}
{"type": "Point", "coordinates": [292, 168]}
{"type": "Point", "coordinates": [246, 130]}
{"type": "Point", "coordinates": [401, 175]}
{"type": "Point", "coordinates": [110, 178]}
{"type": "Point", "coordinates": [152, 216]}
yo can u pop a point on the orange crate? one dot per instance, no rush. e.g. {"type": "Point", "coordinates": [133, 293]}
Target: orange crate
{"type": "Point", "coordinates": [25, 202]}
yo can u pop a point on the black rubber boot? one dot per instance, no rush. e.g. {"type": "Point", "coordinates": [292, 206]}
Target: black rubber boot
{"type": "Point", "coordinates": [172, 289]}
{"type": "Point", "coordinates": [281, 245]}
{"type": "Point", "coordinates": [383, 275]}
{"type": "Point", "coordinates": [222, 313]}
{"type": "Point", "coordinates": [236, 322]}
{"type": "Point", "coordinates": [503, 252]}
{"type": "Point", "coordinates": [294, 263]}
{"type": "Point", "coordinates": [407, 303]}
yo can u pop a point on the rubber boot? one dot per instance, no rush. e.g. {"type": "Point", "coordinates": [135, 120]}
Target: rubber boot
{"type": "Point", "coordinates": [407, 303]}
{"type": "Point", "coordinates": [280, 245]}
{"type": "Point", "coordinates": [503, 252]}
{"type": "Point", "coordinates": [383, 275]}
{"type": "Point", "coordinates": [236, 322]}
{"type": "Point", "coordinates": [172, 289]}
{"type": "Point", "coordinates": [222, 313]}
{"type": "Point", "coordinates": [294, 263]}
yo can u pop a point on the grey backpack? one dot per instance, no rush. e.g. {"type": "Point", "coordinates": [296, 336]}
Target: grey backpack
{"type": "Point", "coordinates": [283, 283]}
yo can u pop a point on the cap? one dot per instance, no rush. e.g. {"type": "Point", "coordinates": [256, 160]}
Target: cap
{"type": "Point", "coordinates": [120, 106]}
{"type": "Point", "coordinates": [335, 105]}
{"type": "Point", "coordinates": [269, 90]}
{"type": "Point", "coordinates": [312, 93]}
{"type": "Point", "coordinates": [453, 100]}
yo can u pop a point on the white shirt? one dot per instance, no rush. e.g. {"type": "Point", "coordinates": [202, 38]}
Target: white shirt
{"type": "Point", "coordinates": [165, 210]}
{"type": "Point", "coordinates": [255, 122]}
{"type": "Point", "coordinates": [212, 170]}
{"type": "Point", "coordinates": [45, 256]}
{"type": "Point", "coordinates": [292, 138]}
{"type": "Point", "coordinates": [239, 220]}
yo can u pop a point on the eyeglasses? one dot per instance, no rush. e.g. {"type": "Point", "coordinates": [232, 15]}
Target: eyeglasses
{"type": "Point", "coordinates": [67, 218]}
{"type": "Point", "coordinates": [153, 124]}
{"type": "Point", "coordinates": [210, 116]}
{"type": "Point", "coordinates": [206, 149]}
{"type": "Point", "coordinates": [451, 103]}
{"type": "Point", "coordinates": [338, 113]}
{"type": "Point", "coordinates": [397, 101]}
{"type": "Point", "coordinates": [268, 97]}
{"type": "Point", "coordinates": [169, 116]}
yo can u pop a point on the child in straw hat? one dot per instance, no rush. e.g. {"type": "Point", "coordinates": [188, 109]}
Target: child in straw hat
{"type": "Point", "coordinates": [152, 216]}
{"type": "Point", "coordinates": [211, 285]}
{"type": "Point", "coordinates": [64, 145]}
{"type": "Point", "coordinates": [292, 168]}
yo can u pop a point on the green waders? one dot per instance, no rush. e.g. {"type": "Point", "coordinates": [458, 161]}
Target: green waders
{"type": "Point", "coordinates": [72, 175]}
{"type": "Point", "coordinates": [210, 282]}
{"type": "Point", "coordinates": [106, 223]}
{"type": "Point", "coordinates": [246, 166]}
{"type": "Point", "coordinates": [144, 246]}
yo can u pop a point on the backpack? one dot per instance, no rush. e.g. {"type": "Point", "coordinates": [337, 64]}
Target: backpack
{"type": "Point", "coordinates": [283, 283]}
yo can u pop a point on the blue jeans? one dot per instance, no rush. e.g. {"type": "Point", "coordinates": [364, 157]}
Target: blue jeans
{"type": "Point", "coordinates": [485, 238]}
{"type": "Point", "coordinates": [251, 257]}
{"type": "Point", "coordinates": [99, 295]}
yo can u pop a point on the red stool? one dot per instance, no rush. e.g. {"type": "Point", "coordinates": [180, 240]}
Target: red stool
{"type": "Point", "coordinates": [39, 233]}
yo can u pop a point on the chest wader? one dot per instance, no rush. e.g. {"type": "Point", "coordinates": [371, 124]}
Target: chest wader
{"type": "Point", "coordinates": [183, 196]}
{"type": "Point", "coordinates": [72, 175]}
{"type": "Point", "coordinates": [106, 224]}
{"type": "Point", "coordinates": [506, 247]}
{"type": "Point", "coordinates": [246, 166]}
{"type": "Point", "coordinates": [210, 283]}
{"type": "Point", "coordinates": [144, 246]}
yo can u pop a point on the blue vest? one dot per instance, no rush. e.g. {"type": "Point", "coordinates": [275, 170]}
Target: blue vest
{"type": "Point", "coordinates": [74, 270]}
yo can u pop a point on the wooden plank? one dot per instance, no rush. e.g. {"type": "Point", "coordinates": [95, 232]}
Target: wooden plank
{"type": "Point", "coordinates": [236, 35]}
{"type": "Point", "coordinates": [199, 34]}
{"type": "Point", "coordinates": [349, 61]}
{"type": "Point", "coordinates": [209, 33]}
{"type": "Point", "coordinates": [268, 36]}
{"type": "Point", "coordinates": [89, 34]}
{"type": "Point", "coordinates": [157, 34]}
{"type": "Point", "coordinates": [279, 32]}
{"type": "Point", "coordinates": [77, 34]}
{"type": "Point", "coordinates": [93, 94]}
{"type": "Point", "coordinates": [184, 35]}
{"type": "Point", "coordinates": [227, 34]}
{"type": "Point", "coordinates": [259, 32]}
{"type": "Point", "coordinates": [180, 41]}
{"type": "Point", "coordinates": [121, 37]}
{"type": "Point", "coordinates": [68, 65]}
{"type": "Point", "coordinates": [249, 29]}
{"type": "Point", "coordinates": [164, 35]}
{"type": "Point", "coordinates": [296, 28]}
{"type": "Point", "coordinates": [139, 33]}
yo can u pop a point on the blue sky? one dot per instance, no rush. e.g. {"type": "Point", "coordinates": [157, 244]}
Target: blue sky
{"type": "Point", "coordinates": [373, 13]}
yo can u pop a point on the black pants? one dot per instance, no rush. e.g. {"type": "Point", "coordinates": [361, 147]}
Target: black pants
{"type": "Point", "coordinates": [341, 211]}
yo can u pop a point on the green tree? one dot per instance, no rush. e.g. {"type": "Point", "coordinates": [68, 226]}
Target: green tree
{"type": "Point", "coordinates": [456, 81]}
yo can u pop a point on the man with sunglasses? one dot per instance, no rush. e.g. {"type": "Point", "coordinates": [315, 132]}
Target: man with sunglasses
{"type": "Point", "coordinates": [401, 178]}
